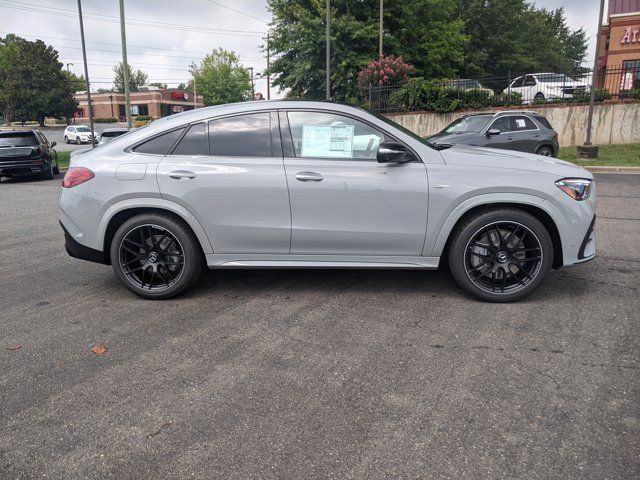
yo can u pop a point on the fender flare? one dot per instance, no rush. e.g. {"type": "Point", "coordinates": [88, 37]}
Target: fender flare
{"type": "Point", "coordinates": [159, 204]}
{"type": "Point", "coordinates": [444, 230]}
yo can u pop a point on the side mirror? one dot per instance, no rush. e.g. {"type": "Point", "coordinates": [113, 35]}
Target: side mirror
{"type": "Point", "coordinates": [493, 131]}
{"type": "Point", "coordinates": [394, 152]}
{"type": "Point", "coordinates": [53, 144]}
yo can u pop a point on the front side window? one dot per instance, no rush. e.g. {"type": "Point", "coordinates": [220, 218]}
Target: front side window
{"type": "Point", "coordinates": [194, 142]}
{"type": "Point", "coordinates": [241, 136]}
{"type": "Point", "coordinates": [327, 135]}
{"type": "Point", "coordinates": [517, 82]}
{"type": "Point", "coordinates": [503, 124]}
{"type": "Point", "coordinates": [161, 144]}
{"type": "Point", "coordinates": [84, 129]}
{"type": "Point", "coordinates": [529, 81]}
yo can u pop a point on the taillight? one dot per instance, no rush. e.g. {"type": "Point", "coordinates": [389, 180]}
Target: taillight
{"type": "Point", "coordinates": [76, 176]}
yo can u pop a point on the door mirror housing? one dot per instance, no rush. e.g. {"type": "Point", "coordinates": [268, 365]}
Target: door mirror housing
{"type": "Point", "coordinates": [53, 144]}
{"type": "Point", "coordinates": [394, 152]}
{"type": "Point", "coordinates": [493, 131]}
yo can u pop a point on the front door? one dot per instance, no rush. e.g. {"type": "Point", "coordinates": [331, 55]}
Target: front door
{"type": "Point", "coordinates": [343, 202]}
{"type": "Point", "coordinates": [229, 173]}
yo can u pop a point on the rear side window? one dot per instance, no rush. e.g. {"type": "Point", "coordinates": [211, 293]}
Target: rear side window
{"type": "Point", "coordinates": [241, 136]}
{"type": "Point", "coordinates": [194, 142]}
{"type": "Point", "coordinates": [161, 144]}
{"type": "Point", "coordinates": [18, 139]}
{"type": "Point", "coordinates": [544, 122]}
{"type": "Point", "coordinates": [522, 123]}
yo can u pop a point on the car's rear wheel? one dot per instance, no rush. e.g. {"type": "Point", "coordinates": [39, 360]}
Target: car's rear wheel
{"type": "Point", "coordinates": [48, 173]}
{"type": "Point", "coordinates": [545, 151]}
{"type": "Point", "coordinates": [500, 255]}
{"type": "Point", "coordinates": [539, 96]}
{"type": "Point", "coordinates": [156, 256]}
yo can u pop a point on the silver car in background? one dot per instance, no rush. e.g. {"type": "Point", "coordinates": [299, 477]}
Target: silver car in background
{"type": "Point", "coordinates": [312, 184]}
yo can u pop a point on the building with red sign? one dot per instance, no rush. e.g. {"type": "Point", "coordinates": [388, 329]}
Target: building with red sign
{"type": "Point", "coordinates": [620, 44]}
{"type": "Point", "coordinates": [153, 102]}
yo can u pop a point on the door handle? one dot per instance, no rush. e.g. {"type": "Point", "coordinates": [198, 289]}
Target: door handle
{"type": "Point", "coordinates": [309, 177]}
{"type": "Point", "coordinates": [180, 174]}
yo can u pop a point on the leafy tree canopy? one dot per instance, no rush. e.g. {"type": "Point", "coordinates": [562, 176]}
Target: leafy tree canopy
{"type": "Point", "coordinates": [137, 78]}
{"type": "Point", "coordinates": [220, 78]}
{"type": "Point", "coordinates": [33, 83]}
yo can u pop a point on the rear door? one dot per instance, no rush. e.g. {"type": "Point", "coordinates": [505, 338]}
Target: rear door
{"type": "Point", "coordinates": [524, 133]}
{"type": "Point", "coordinates": [229, 173]}
{"type": "Point", "coordinates": [343, 202]}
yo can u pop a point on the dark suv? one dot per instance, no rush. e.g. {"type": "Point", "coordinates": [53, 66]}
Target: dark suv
{"type": "Point", "coordinates": [513, 130]}
{"type": "Point", "coordinates": [27, 152]}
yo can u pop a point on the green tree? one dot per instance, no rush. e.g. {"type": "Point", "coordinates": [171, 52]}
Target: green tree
{"type": "Point", "coordinates": [220, 78]}
{"type": "Point", "coordinates": [78, 82]}
{"type": "Point", "coordinates": [426, 33]}
{"type": "Point", "coordinates": [35, 86]}
{"type": "Point", "coordinates": [137, 78]}
{"type": "Point", "coordinates": [9, 49]}
{"type": "Point", "coordinates": [514, 36]}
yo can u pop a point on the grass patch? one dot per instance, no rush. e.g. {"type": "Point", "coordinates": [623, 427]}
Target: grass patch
{"type": "Point", "coordinates": [608, 156]}
{"type": "Point", "coordinates": [63, 159]}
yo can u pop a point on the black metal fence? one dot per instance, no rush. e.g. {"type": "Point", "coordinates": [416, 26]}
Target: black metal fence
{"type": "Point", "coordinates": [612, 83]}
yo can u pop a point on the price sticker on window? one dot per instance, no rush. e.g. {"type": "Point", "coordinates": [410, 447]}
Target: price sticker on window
{"type": "Point", "coordinates": [332, 141]}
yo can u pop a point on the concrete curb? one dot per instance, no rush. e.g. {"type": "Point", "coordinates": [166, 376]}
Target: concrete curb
{"type": "Point", "coordinates": [607, 169]}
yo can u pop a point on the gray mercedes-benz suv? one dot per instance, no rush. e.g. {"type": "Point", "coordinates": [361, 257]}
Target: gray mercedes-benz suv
{"type": "Point", "coordinates": [525, 131]}
{"type": "Point", "coordinates": [310, 184]}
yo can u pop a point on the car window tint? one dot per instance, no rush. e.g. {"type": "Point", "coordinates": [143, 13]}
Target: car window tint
{"type": "Point", "coordinates": [529, 81]}
{"type": "Point", "coordinates": [517, 82]}
{"type": "Point", "coordinates": [522, 123]}
{"type": "Point", "coordinates": [160, 145]}
{"type": "Point", "coordinates": [241, 136]}
{"type": "Point", "coordinates": [503, 124]}
{"type": "Point", "coordinates": [194, 142]}
{"type": "Point", "coordinates": [327, 135]}
{"type": "Point", "coordinates": [544, 122]}
{"type": "Point", "coordinates": [18, 139]}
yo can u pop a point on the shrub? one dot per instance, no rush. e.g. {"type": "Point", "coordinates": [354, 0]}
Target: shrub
{"type": "Point", "coordinates": [105, 120]}
{"type": "Point", "coordinates": [388, 70]}
{"type": "Point", "coordinates": [143, 118]}
{"type": "Point", "coordinates": [633, 93]}
{"type": "Point", "coordinates": [583, 96]}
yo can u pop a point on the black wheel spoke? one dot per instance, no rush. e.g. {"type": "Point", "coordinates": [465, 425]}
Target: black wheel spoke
{"type": "Point", "coordinates": [480, 255]}
{"type": "Point", "coordinates": [480, 266]}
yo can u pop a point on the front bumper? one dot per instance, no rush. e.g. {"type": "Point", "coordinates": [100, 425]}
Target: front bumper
{"type": "Point", "coordinates": [588, 246]}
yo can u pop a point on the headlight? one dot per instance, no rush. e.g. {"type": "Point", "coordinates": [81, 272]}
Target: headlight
{"type": "Point", "coordinates": [576, 188]}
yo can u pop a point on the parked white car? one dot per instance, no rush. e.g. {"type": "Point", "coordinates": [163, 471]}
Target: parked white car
{"type": "Point", "coordinates": [545, 86]}
{"type": "Point", "coordinates": [78, 134]}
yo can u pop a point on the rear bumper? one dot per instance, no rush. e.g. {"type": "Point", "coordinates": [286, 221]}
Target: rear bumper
{"type": "Point", "coordinates": [77, 250]}
{"type": "Point", "coordinates": [22, 167]}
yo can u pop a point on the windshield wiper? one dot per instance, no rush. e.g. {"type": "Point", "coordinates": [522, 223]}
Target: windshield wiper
{"type": "Point", "coordinates": [439, 146]}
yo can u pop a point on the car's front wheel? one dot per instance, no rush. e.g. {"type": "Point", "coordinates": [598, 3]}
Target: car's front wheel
{"type": "Point", "coordinates": [156, 256]}
{"type": "Point", "coordinates": [500, 255]}
{"type": "Point", "coordinates": [78, 141]}
{"type": "Point", "coordinates": [66, 139]}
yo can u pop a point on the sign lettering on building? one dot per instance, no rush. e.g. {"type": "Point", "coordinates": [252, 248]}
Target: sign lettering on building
{"type": "Point", "coordinates": [630, 36]}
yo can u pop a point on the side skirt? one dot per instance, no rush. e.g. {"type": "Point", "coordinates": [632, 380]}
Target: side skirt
{"type": "Point", "coordinates": [218, 261]}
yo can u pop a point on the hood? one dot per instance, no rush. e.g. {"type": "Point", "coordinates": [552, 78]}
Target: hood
{"type": "Point", "coordinates": [463, 155]}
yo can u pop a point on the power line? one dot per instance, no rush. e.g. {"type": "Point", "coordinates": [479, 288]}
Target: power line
{"type": "Point", "coordinates": [37, 8]}
{"type": "Point", "coordinates": [238, 11]}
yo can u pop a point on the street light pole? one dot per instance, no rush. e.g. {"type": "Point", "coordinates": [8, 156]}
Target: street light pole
{"type": "Point", "coordinates": [86, 76]}
{"type": "Point", "coordinates": [253, 92]}
{"type": "Point", "coordinates": [328, 51]}
{"type": "Point", "coordinates": [268, 72]}
{"type": "Point", "coordinates": [381, 28]}
{"type": "Point", "coordinates": [125, 67]}
{"type": "Point", "coordinates": [588, 150]}
{"type": "Point", "coordinates": [69, 71]}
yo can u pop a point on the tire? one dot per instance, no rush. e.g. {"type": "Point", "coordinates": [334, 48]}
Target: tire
{"type": "Point", "coordinates": [545, 151]}
{"type": "Point", "coordinates": [48, 173]}
{"type": "Point", "coordinates": [502, 270]}
{"type": "Point", "coordinates": [56, 169]}
{"type": "Point", "coordinates": [66, 139]}
{"type": "Point", "coordinates": [78, 142]}
{"type": "Point", "coordinates": [158, 249]}
{"type": "Point", "coordinates": [539, 96]}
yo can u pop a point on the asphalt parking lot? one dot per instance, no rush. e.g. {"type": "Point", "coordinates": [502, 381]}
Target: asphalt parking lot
{"type": "Point", "coordinates": [56, 134]}
{"type": "Point", "coordinates": [316, 374]}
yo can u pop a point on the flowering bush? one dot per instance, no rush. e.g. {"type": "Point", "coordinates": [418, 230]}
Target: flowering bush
{"type": "Point", "coordinates": [387, 70]}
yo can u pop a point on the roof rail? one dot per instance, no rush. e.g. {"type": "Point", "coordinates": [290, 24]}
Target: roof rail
{"type": "Point", "coordinates": [532, 112]}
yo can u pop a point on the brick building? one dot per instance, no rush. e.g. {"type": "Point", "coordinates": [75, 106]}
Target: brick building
{"type": "Point", "coordinates": [153, 102]}
{"type": "Point", "coordinates": [620, 44]}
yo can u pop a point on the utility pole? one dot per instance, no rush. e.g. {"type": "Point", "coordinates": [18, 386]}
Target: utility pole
{"type": "Point", "coordinates": [381, 28]}
{"type": "Point", "coordinates": [253, 90]}
{"type": "Point", "coordinates": [195, 97]}
{"type": "Point", "coordinates": [328, 49]}
{"type": "Point", "coordinates": [86, 76]}
{"type": "Point", "coordinates": [268, 73]}
{"type": "Point", "coordinates": [125, 67]}
{"type": "Point", "coordinates": [588, 150]}
{"type": "Point", "coordinates": [69, 71]}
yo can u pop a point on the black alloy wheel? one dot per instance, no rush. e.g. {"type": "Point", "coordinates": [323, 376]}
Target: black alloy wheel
{"type": "Point", "coordinates": [156, 256]}
{"type": "Point", "coordinates": [47, 174]}
{"type": "Point", "coordinates": [500, 255]}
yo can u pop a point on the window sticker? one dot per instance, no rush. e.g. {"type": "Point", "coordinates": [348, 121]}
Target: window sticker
{"type": "Point", "coordinates": [520, 123]}
{"type": "Point", "coordinates": [335, 141]}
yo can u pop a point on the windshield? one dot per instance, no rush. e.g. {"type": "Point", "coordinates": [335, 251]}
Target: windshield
{"type": "Point", "coordinates": [554, 78]}
{"type": "Point", "coordinates": [467, 125]}
{"type": "Point", "coordinates": [404, 130]}
{"type": "Point", "coordinates": [83, 129]}
{"type": "Point", "coordinates": [18, 139]}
